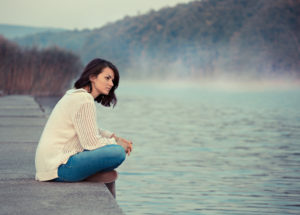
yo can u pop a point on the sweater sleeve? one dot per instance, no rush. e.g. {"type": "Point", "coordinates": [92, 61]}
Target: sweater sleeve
{"type": "Point", "coordinates": [86, 128]}
{"type": "Point", "coordinates": [105, 133]}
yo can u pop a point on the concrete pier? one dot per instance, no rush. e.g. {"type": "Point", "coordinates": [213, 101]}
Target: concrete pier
{"type": "Point", "coordinates": [21, 124]}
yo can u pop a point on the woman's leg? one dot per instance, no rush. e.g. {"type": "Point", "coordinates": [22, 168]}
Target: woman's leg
{"type": "Point", "coordinates": [108, 178]}
{"type": "Point", "coordinates": [105, 177]}
{"type": "Point", "coordinates": [88, 163]}
{"type": "Point", "coordinates": [112, 188]}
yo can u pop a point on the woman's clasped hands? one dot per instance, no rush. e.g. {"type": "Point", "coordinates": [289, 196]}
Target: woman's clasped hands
{"type": "Point", "coordinates": [126, 144]}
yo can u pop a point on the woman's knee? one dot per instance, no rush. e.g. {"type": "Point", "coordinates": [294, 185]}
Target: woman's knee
{"type": "Point", "coordinates": [119, 153]}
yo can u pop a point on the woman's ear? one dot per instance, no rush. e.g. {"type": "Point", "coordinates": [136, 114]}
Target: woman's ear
{"type": "Point", "coordinates": [92, 78]}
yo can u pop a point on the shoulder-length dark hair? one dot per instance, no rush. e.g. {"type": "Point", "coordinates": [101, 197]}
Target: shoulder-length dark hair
{"type": "Point", "coordinates": [94, 68]}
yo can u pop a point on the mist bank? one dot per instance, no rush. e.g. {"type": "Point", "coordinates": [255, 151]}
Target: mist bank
{"type": "Point", "coordinates": [217, 84]}
{"type": "Point", "coordinates": [236, 39]}
{"type": "Point", "coordinates": [36, 72]}
{"type": "Point", "coordinates": [14, 31]}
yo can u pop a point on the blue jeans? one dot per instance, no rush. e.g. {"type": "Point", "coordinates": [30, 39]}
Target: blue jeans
{"type": "Point", "coordinates": [87, 163]}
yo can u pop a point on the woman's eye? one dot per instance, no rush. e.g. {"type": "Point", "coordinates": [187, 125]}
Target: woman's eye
{"type": "Point", "coordinates": [107, 78]}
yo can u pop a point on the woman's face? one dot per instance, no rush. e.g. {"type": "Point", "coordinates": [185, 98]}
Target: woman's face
{"type": "Point", "coordinates": [103, 82]}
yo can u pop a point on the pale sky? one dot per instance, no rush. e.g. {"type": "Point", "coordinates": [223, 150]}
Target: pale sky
{"type": "Point", "coordinates": [71, 14]}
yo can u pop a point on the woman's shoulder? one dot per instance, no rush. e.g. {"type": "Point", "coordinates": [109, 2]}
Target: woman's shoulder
{"type": "Point", "coordinates": [79, 96]}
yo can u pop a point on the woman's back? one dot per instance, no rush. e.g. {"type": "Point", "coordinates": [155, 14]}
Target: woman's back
{"type": "Point", "coordinates": [59, 139]}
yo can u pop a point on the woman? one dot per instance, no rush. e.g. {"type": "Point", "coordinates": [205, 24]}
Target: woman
{"type": "Point", "coordinates": [71, 147]}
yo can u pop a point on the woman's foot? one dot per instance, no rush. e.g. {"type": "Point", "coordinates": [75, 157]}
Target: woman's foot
{"type": "Point", "coordinates": [104, 177]}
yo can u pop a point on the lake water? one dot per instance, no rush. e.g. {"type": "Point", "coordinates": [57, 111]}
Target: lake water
{"type": "Point", "coordinates": [207, 150]}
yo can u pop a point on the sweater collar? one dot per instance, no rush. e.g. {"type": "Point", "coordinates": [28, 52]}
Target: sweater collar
{"type": "Point", "coordinates": [74, 90]}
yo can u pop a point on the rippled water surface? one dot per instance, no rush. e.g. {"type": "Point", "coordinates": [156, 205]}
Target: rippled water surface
{"type": "Point", "coordinates": [201, 150]}
{"type": "Point", "coordinates": [207, 151]}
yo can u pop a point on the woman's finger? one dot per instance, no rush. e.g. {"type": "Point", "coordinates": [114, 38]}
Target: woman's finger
{"type": "Point", "coordinates": [127, 141]}
{"type": "Point", "coordinates": [130, 148]}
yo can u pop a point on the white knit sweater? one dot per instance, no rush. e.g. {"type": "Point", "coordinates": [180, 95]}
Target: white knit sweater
{"type": "Point", "coordinates": [71, 128]}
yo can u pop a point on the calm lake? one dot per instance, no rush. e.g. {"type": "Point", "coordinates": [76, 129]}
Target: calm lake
{"type": "Point", "coordinates": [207, 150]}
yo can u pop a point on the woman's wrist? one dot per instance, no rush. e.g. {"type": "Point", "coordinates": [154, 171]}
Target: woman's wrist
{"type": "Point", "coordinates": [115, 137]}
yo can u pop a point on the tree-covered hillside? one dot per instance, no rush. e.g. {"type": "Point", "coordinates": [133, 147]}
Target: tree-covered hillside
{"type": "Point", "coordinates": [202, 39]}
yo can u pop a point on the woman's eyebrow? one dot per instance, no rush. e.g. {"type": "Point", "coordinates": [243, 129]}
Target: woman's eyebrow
{"type": "Point", "coordinates": [110, 77]}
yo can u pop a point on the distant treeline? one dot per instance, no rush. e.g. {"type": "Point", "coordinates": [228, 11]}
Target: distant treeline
{"type": "Point", "coordinates": [36, 72]}
{"type": "Point", "coordinates": [203, 39]}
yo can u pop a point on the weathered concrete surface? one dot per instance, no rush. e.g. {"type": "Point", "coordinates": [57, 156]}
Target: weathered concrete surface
{"type": "Point", "coordinates": [21, 124]}
{"type": "Point", "coordinates": [26, 196]}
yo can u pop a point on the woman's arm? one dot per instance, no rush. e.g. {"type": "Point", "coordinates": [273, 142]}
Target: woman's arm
{"type": "Point", "coordinates": [105, 133]}
{"type": "Point", "coordinates": [86, 128]}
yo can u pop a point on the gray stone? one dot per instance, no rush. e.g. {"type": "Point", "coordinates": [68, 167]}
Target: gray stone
{"type": "Point", "coordinates": [22, 122]}
{"type": "Point", "coordinates": [21, 112]}
{"type": "Point", "coordinates": [26, 196]}
{"type": "Point", "coordinates": [17, 160]}
{"type": "Point", "coordinates": [19, 134]}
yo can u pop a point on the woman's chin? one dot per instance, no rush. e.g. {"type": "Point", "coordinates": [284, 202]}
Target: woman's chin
{"type": "Point", "coordinates": [105, 93]}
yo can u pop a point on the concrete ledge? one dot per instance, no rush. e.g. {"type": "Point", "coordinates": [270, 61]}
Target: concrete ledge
{"type": "Point", "coordinates": [21, 124]}
{"type": "Point", "coordinates": [26, 196]}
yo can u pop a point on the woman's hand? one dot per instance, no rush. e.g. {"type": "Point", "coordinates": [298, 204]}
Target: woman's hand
{"type": "Point", "coordinates": [126, 144]}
